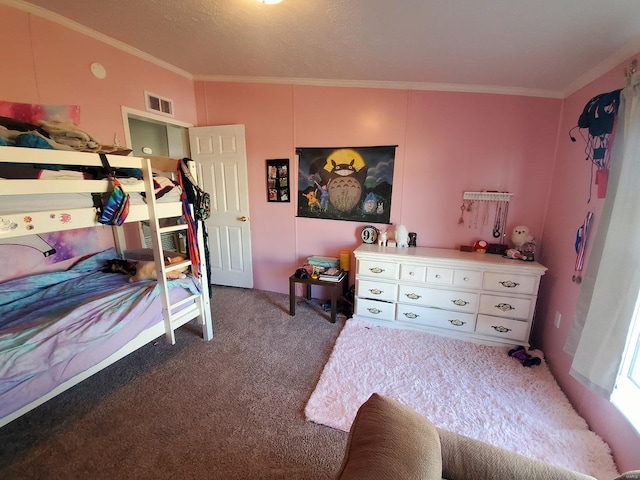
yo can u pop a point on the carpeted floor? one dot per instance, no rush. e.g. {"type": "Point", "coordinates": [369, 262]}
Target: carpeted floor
{"type": "Point", "coordinates": [227, 409]}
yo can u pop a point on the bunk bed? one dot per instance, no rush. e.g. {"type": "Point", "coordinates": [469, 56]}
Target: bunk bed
{"type": "Point", "coordinates": [59, 328]}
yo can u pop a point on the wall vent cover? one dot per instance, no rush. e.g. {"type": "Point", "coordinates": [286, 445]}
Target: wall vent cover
{"type": "Point", "coordinates": [158, 104]}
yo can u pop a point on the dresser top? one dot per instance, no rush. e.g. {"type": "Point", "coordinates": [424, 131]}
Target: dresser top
{"type": "Point", "coordinates": [448, 255]}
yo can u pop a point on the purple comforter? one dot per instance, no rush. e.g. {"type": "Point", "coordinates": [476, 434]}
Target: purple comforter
{"type": "Point", "coordinates": [49, 320]}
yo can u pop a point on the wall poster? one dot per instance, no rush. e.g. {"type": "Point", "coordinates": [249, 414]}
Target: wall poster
{"type": "Point", "coordinates": [278, 187]}
{"type": "Point", "coordinates": [351, 183]}
{"type": "Point", "coordinates": [29, 254]}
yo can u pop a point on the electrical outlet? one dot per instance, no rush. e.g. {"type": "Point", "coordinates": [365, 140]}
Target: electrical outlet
{"type": "Point", "coordinates": [556, 319]}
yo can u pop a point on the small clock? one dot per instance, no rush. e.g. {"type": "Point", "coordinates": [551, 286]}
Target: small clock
{"type": "Point", "coordinates": [369, 234]}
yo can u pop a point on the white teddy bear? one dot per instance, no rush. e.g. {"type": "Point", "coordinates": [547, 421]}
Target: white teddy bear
{"type": "Point", "coordinates": [520, 236]}
{"type": "Point", "coordinates": [402, 236]}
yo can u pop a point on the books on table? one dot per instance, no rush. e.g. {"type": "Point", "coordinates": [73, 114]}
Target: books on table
{"type": "Point", "coordinates": [332, 275]}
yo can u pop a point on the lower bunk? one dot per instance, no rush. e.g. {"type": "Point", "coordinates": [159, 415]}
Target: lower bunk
{"type": "Point", "coordinates": [59, 328]}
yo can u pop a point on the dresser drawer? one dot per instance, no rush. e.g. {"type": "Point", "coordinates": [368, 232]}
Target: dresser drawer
{"type": "Point", "coordinates": [434, 317]}
{"type": "Point", "coordinates": [441, 276]}
{"type": "Point", "coordinates": [376, 290]}
{"type": "Point", "coordinates": [414, 273]}
{"type": "Point", "coordinates": [431, 297]}
{"type": "Point", "coordinates": [375, 309]}
{"type": "Point", "coordinates": [467, 278]}
{"type": "Point", "coordinates": [506, 282]}
{"type": "Point", "coordinates": [502, 327]}
{"type": "Point", "coordinates": [505, 306]}
{"type": "Point", "coordinates": [372, 268]}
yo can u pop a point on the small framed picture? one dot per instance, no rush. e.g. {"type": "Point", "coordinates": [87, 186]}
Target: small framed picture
{"type": "Point", "coordinates": [278, 180]}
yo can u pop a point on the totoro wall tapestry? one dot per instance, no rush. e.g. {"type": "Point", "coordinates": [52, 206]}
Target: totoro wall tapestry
{"type": "Point", "coordinates": [351, 183]}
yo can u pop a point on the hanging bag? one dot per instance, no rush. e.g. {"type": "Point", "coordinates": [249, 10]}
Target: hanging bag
{"type": "Point", "coordinates": [197, 197]}
{"type": "Point", "coordinates": [112, 207]}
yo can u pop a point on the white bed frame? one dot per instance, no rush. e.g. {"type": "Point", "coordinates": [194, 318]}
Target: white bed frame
{"type": "Point", "coordinates": [14, 225]}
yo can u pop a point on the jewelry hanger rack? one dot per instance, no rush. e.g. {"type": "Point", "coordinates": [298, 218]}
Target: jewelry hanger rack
{"type": "Point", "coordinates": [487, 196]}
{"type": "Point", "coordinates": [480, 217]}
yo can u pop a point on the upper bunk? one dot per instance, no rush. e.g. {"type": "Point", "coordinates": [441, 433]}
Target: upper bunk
{"type": "Point", "coordinates": [62, 198]}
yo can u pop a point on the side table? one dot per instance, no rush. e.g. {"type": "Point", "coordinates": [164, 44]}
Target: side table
{"type": "Point", "coordinates": [337, 290]}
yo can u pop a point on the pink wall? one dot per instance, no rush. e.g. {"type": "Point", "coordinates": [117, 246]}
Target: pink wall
{"type": "Point", "coordinates": [509, 145]}
{"type": "Point", "coordinates": [566, 212]}
{"type": "Point", "coordinates": [448, 143]}
{"type": "Point", "coordinates": [56, 70]}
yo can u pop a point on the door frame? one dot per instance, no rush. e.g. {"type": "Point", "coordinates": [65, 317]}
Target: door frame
{"type": "Point", "coordinates": [219, 157]}
{"type": "Point", "coordinates": [155, 118]}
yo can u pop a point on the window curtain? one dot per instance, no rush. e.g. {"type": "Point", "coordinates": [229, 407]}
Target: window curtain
{"type": "Point", "coordinates": [611, 283]}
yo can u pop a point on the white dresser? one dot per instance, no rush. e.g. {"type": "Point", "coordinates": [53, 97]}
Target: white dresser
{"type": "Point", "coordinates": [478, 296]}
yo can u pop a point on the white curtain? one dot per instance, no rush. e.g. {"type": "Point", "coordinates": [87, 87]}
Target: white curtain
{"type": "Point", "coordinates": [612, 278]}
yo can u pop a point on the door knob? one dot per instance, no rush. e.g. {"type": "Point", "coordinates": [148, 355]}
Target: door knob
{"type": "Point", "coordinates": [243, 218]}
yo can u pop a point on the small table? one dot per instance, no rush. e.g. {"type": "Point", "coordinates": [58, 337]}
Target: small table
{"type": "Point", "coordinates": [337, 289]}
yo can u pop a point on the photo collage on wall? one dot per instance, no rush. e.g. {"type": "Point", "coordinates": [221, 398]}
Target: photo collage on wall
{"type": "Point", "coordinates": [278, 187]}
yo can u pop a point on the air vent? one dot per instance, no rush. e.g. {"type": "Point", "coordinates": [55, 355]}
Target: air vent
{"type": "Point", "coordinates": [158, 104]}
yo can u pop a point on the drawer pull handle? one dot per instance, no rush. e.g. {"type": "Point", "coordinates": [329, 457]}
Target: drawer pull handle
{"type": "Point", "coordinates": [466, 279]}
{"type": "Point", "coordinates": [457, 322]}
{"type": "Point", "coordinates": [411, 315]}
{"type": "Point", "coordinates": [375, 311]}
{"type": "Point", "coordinates": [505, 307]}
{"type": "Point", "coordinates": [509, 284]}
{"type": "Point", "coordinates": [500, 328]}
{"type": "Point", "coordinates": [460, 303]}
{"type": "Point", "coordinates": [413, 296]}
{"type": "Point", "coordinates": [376, 291]}
{"type": "Point", "coordinates": [411, 273]}
{"type": "Point", "coordinates": [376, 270]}
{"type": "Point", "coordinates": [438, 275]}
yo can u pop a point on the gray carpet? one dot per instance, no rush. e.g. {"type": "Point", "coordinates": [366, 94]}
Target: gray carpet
{"type": "Point", "coordinates": [229, 409]}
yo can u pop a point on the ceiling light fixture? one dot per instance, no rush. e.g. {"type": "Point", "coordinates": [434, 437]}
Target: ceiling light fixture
{"type": "Point", "coordinates": [269, 2]}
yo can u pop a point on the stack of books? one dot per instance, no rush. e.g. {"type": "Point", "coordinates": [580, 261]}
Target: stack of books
{"type": "Point", "coordinates": [332, 275]}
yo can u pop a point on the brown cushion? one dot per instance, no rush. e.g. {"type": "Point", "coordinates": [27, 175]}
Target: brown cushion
{"type": "Point", "coordinates": [633, 475]}
{"type": "Point", "coordinates": [464, 458]}
{"type": "Point", "coordinates": [390, 441]}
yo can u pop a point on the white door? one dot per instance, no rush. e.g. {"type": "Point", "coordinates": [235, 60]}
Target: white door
{"type": "Point", "coordinates": [221, 156]}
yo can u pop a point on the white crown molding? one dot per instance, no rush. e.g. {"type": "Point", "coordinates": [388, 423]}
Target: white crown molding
{"type": "Point", "coordinates": [441, 87]}
{"type": "Point", "coordinates": [629, 50]}
{"type": "Point", "coordinates": [65, 22]}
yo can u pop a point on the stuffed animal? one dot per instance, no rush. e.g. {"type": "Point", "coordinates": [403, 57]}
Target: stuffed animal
{"type": "Point", "coordinates": [527, 360]}
{"type": "Point", "coordinates": [147, 270]}
{"type": "Point", "coordinates": [402, 236]}
{"type": "Point", "coordinates": [480, 246]}
{"type": "Point", "coordinates": [382, 238]}
{"type": "Point", "coordinates": [521, 235]}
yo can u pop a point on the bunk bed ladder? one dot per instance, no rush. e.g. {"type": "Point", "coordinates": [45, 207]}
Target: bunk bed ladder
{"type": "Point", "coordinates": [197, 305]}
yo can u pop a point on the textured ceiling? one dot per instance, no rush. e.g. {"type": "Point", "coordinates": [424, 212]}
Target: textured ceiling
{"type": "Point", "coordinates": [541, 46]}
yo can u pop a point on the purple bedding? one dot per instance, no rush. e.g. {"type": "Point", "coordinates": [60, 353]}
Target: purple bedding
{"type": "Point", "coordinates": [56, 325]}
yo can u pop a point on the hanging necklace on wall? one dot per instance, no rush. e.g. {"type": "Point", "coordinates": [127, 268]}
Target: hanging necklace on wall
{"type": "Point", "coordinates": [496, 223]}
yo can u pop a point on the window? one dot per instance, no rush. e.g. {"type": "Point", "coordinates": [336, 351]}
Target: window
{"type": "Point", "coordinates": [626, 395]}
